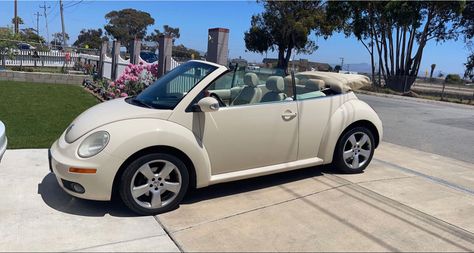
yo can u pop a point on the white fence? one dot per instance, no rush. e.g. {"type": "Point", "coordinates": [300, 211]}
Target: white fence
{"type": "Point", "coordinates": [32, 58]}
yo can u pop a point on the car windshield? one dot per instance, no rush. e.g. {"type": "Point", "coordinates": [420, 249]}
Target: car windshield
{"type": "Point", "coordinates": [167, 91]}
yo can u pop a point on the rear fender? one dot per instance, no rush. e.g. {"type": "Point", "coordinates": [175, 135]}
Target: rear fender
{"type": "Point", "coordinates": [348, 113]}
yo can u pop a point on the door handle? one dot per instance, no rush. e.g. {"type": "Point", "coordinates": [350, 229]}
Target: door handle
{"type": "Point", "coordinates": [288, 115]}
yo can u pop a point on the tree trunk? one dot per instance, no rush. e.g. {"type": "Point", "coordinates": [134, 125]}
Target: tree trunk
{"type": "Point", "coordinates": [402, 54]}
{"type": "Point", "coordinates": [372, 62]}
{"type": "Point", "coordinates": [3, 59]}
{"type": "Point", "coordinates": [281, 57]}
{"type": "Point", "coordinates": [287, 59]}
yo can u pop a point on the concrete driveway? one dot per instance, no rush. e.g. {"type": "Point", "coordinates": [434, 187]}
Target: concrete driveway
{"type": "Point", "coordinates": [407, 200]}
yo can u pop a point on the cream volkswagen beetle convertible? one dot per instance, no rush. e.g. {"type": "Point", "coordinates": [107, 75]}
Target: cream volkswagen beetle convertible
{"type": "Point", "coordinates": [3, 140]}
{"type": "Point", "coordinates": [203, 124]}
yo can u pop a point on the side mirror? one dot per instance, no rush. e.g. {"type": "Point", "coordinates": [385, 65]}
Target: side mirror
{"type": "Point", "coordinates": [208, 104]}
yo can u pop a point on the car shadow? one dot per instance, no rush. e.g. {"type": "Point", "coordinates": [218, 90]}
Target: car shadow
{"type": "Point", "coordinates": [55, 197]}
{"type": "Point", "coordinates": [252, 184]}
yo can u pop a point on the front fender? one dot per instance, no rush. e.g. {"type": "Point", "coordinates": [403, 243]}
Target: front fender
{"type": "Point", "coordinates": [348, 113]}
{"type": "Point", "coordinates": [129, 136]}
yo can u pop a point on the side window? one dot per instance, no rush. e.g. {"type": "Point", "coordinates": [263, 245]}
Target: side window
{"type": "Point", "coordinates": [244, 87]}
{"type": "Point", "coordinates": [308, 88]}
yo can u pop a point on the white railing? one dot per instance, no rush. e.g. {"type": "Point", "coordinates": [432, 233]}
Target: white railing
{"type": "Point", "coordinates": [27, 58]}
{"type": "Point", "coordinates": [31, 58]}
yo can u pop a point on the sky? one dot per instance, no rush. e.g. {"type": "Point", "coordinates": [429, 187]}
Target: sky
{"type": "Point", "coordinates": [194, 18]}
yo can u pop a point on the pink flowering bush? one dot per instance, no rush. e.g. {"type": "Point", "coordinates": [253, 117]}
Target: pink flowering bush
{"type": "Point", "coordinates": [133, 80]}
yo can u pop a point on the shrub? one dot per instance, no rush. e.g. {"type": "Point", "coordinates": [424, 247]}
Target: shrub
{"type": "Point", "coordinates": [134, 79]}
{"type": "Point", "coordinates": [453, 79]}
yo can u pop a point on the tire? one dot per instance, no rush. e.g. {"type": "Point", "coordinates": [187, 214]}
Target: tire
{"type": "Point", "coordinates": [354, 150]}
{"type": "Point", "coordinates": [154, 184]}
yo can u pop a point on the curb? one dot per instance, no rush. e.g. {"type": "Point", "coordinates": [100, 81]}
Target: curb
{"type": "Point", "coordinates": [422, 100]}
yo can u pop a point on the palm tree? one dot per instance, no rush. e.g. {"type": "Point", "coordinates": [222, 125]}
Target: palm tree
{"type": "Point", "coordinates": [433, 66]}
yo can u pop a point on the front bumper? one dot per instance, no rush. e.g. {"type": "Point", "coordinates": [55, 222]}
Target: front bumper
{"type": "Point", "coordinates": [97, 186]}
{"type": "Point", "coordinates": [3, 146]}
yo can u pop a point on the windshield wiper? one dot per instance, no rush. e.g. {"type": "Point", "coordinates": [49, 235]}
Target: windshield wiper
{"type": "Point", "coordinates": [138, 101]}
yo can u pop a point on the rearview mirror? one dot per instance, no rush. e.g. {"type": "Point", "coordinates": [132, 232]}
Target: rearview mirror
{"type": "Point", "coordinates": [208, 104]}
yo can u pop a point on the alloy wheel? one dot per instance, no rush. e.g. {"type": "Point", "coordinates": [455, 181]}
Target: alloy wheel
{"type": "Point", "coordinates": [156, 184]}
{"type": "Point", "coordinates": [357, 150]}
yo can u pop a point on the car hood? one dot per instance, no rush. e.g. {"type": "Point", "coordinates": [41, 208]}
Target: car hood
{"type": "Point", "coordinates": [108, 112]}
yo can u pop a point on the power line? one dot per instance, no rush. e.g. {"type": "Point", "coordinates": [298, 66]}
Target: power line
{"type": "Point", "coordinates": [44, 7]}
{"type": "Point", "coordinates": [53, 9]}
{"type": "Point", "coordinates": [63, 29]}
{"type": "Point", "coordinates": [16, 17]}
{"type": "Point", "coordinates": [73, 4]}
{"type": "Point", "coordinates": [37, 14]}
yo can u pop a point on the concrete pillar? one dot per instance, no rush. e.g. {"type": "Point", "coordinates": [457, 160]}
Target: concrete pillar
{"type": "Point", "coordinates": [218, 46]}
{"type": "Point", "coordinates": [102, 53]}
{"type": "Point", "coordinates": [135, 55]}
{"type": "Point", "coordinates": [115, 58]}
{"type": "Point", "coordinates": [165, 47]}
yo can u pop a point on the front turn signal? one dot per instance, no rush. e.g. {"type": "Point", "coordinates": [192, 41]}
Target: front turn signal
{"type": "Point", "coordinates": [82, 170]}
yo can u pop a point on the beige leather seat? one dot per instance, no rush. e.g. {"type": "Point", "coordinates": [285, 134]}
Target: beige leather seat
{"type": "Point", "coordinates": [250, 94]}
{"type": "Point", "coordinates": [314, 85]}
{"type": "Point", "coordinates": [276, 87]}
{"type": "Point", "coordinates": [289, 85]}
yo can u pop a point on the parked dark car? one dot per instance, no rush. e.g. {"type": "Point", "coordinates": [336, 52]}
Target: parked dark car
{"type": "Point", "coordinates": [25, 46]}
{"type": "Point", "coordinates": [149, 57]}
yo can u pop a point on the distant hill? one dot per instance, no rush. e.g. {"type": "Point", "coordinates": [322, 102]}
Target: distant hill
{"type": "Point", "coordinates": [357, 67]}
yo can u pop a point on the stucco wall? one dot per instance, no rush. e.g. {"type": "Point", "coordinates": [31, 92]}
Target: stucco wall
{"type": "Point", "coordinates": [41, 77]}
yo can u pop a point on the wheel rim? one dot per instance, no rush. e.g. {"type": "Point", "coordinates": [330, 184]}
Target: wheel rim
{"type": "Point", "coordinates": [156, 184]}
{"type": "Point", "coordinates": [357, 150]}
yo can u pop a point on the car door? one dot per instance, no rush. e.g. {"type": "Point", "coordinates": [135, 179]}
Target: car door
{"type": "Point", "coordinates": [250, 135]}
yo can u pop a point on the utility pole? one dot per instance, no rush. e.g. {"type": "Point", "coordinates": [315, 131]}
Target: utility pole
{"type": "Point", "coordinates": [15, 21]}
{"type": "Point", "coordinates": [44, 7]}
{"type": "Point", "coordinates": [37, 14]}
{"type": "Point", "coordinates": [62, 23]}
{"type": "Point", "coordinates": [342, 62]}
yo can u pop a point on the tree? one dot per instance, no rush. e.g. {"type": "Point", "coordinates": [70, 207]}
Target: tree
{"type": "Point", "coordinates": [30, 35]}
{"type": "Point", "coordinates": [167, 30]}
{"type": "Point", "coordinates": [337, 68]}
{"type": "Point", "coordinates": [19, 20]}
{"type": "Point", "coordinates": [469, 67]}
{"type": "Point", "coordinates": [8, 41]}
{"type": "Point", "coordinates": [182, 52]}
{"type": "Point", "coordinates": [128, 24]}
{"type": "Point", "coordinates": [284, 26]}
{"type": "Point", "coordinates": [90, 38]}
{"type": "Point", "coordinates": [467, 22]}
{"type": "Point", "coordinates": [58, 38]}
{"type": "Point", "coordinates": [433, 66]}
{"type": "Point", "coordinates": [355, 18]}
{"type": "Point", "coordinates": [400, 31]}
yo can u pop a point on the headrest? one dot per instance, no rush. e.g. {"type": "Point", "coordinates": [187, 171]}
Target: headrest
{"type": "Point", "coordinates": [339, 87]}
{"type": "Point", "coordinates": [314, 84]}
{"type": "Point", "coordinates": [251, 80]}
{"type": "Point", "coordinates": [275, 84]}
{"type": "Point", "coordinates": [288, 82]}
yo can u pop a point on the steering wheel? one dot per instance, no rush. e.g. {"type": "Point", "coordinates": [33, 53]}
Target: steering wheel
{"type": "Point", "coordinates": [221, 103]}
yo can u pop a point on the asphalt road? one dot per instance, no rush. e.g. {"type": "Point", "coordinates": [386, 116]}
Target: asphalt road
{"type": "Point", "coordinates": [446, 130]}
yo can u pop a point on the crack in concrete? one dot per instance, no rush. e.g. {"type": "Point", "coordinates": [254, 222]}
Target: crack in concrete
{"type": "Point", "coordinates": [417, 214]}
{"type": "Point", "coordinates": [436, 180]}
{"type": "Point", "coordinates": [170, 235]}
{"type": "Point", "coordinates": [384, 179]}
{"type": "Point", "coordinates": [113, 243]}
{"type": "Point", "coordinates": [256, 209]}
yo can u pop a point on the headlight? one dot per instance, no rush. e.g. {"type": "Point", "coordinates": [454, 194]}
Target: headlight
{"type": "Point", "coordinates": [93, 144]}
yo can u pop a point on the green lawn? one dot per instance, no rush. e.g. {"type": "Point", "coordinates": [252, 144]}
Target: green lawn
{"type": "Point", "coordinates": [36, 114]}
